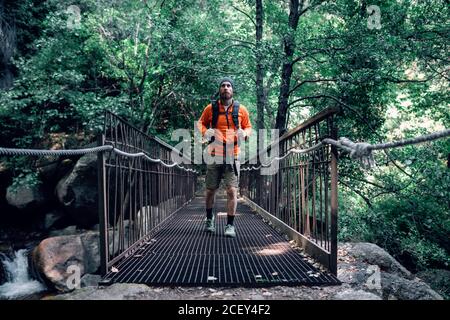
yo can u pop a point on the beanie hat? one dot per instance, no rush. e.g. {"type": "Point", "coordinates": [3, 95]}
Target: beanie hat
{"type": "Point", "coordinates": [226, 79]}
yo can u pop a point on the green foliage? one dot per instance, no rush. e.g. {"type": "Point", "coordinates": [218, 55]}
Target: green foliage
{"type": "Point", "coordinates": [27, 178]}
{"type": "Point", "coordinates": [409, 213]}
{"type": "Point", "coordinates": [156, 63]}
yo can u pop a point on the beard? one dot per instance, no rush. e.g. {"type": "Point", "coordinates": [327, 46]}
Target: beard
{"type": "Point", "coordinates": [226, 96]}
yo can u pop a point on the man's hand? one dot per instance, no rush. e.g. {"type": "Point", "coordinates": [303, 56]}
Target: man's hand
{"type": "Point", "coordinates": [209, 134]}
{"type": "Point", "coordinates": [242, 135]}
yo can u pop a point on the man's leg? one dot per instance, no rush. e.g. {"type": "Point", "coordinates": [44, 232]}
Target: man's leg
{"type": "Point", "coordinates": [210, 196]}
{"type": "Point", "coordinates": [212, 184]}
{"type": "Point", "coordinates": [210, 225]}
{"type": "Point", "coordinates": [231, 201]}
{"type": "Point", "coordinates": [232, 184]}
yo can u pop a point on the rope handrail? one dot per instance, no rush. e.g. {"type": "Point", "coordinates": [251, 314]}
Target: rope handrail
{"type": "Point", "coordinates": [361, 151]}
{"type": "Point", "coordinates": [76, 152]}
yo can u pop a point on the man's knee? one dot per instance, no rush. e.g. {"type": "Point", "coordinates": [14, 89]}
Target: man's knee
{"type": "Point", "coordinates": [231, 192]}
{"type": "Point", "coordinates": [210, 192]}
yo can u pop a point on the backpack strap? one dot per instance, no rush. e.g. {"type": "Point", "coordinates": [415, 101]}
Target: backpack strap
{"type": "Point", "coordinates": [235, 114]}
{"type": "Point", "coordinates": [215, 113]}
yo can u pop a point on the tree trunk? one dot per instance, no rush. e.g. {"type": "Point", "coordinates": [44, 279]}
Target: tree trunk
{"type": "Point", "coordinates": [7, 46]}
{"type": "Point", "coordinates": [286, 72]}
{"type": "Point", "coordinates": [260, 97]}
{"type": "Point", "coordinates": [6, 77]}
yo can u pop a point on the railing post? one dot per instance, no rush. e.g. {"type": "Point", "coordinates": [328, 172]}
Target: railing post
{"type": "Point", "coordinates": [103, 230]}
{"type": "Point", "coordinates": [334, 203]}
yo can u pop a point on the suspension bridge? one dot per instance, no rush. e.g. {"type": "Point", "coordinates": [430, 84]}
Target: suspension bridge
{"type": "Point", "coordinates": [151, 210]}
{"type": "Point", "coordinates": [152, 215]}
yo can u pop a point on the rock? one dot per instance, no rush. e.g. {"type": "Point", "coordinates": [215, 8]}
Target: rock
{"type": "Point", "coordinates": [437, 279]}
{"type": "Point", "coordinates": [352, 273]}
{"type": "Point", "coordinates": [52, 171]}
{"type": "Point", "coordinates": [91, 241]}
{"type": "Point", "coordinates": [374, 255]}
{"type": "Point", "coordinates": [367, 267]}
{"type": "Point", "coordinates": [54, 219]}
{"type": "Point", "coordinates": [53, 257]}
{"type": "Point", "coordinates": [5, 181]}
{"type": "Point", "coordinates": [355, 295]}
{"type": "Point", "coordinates": [90, 280]}
{"type": "Point", "coordinates": [30, 199]}
{"type": "Point", "coordinates": [78, 193]}
{"type": "Point", "coordinates": [69, 231]}
{"type": "Point", "coordinates": [117, 291]}
{"type": "Point", "coordinates": [405, 289]}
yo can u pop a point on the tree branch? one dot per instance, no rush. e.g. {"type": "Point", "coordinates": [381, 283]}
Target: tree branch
{"type": "Point", "coordinates": [237, 45]}
{"type": "Point", "coordinates": [237, 40]}
{"type": "Point", "coordinates": [246, 14]}
{"type": "Point", "coordinates": [395, 80]}
{"type": "Point", "coordinates": [316, 51]}
{"type": "Point", "coordinates": [310, 81]}
{"type": "Point", "coordinates": [358, 193]}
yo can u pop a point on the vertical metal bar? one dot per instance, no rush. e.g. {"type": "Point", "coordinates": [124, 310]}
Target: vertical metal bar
{"type": "Point", "coordinates": [321, 172]}
{"type": "Point", "coordinates": [102, 187]}
{"type": "Point", "coordinates": [299, 174]}
{"type": "Point", "coordinates": [303, 210]}
{"type": "Point", "coordinates": [334, 204]}
{"type": "Point", "coordinates": [294, 182]}
{"type": "Point", "coordinates": [308, 229]}
{"type": "Point", "coordinates": [313, 185]}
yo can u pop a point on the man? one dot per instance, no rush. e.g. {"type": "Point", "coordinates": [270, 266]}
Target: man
{"type": "Point", "coordinates": [232, 125]}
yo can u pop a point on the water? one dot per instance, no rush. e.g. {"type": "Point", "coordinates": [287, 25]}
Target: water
{"type": "Point", "coordinates": [18, 283]}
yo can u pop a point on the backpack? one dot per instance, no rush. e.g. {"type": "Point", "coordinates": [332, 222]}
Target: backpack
{"type": "Point", "coordinates": [215, 114]}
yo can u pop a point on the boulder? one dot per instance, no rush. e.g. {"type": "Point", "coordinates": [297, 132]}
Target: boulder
{"type": "Point", "coordinates": [405, 289]}
{"type": "Point", "coordinates": [30, 199]}
{"type": "Point", "coordinates": [351, 294]}
{"type": "Point", "coordinates": [5, 181]}
{"type": "Point", "coordinates": [367, 267]}
{"type": "Point", "coordinates": [55, 219]}
{"type": "Point", "coordinates": [438, 279]}
{"type": "Point", "coordinates": [77, 191]}
{"type": "Point", "coordinates": [52, 171]}
{"type": "Point", "coordinates": [91, 244]}
{"type": "Point", "coordinates": [374, 255]}
{"type": "Point", "coordinates": [90, 280]}
{"type": "Point", "coordinates": [58, 260]}
{"type": "Point", "coordinates": [68, 231]}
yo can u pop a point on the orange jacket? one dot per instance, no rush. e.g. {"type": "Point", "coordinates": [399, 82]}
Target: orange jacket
{"type": "Point", "coordinates": [222, 126]}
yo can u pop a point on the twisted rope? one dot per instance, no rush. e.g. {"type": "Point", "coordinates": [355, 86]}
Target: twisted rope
{"type": "Point", "coordinates": [293, 150]}
{"type": "Point", "coordinates": [361, 151]}
{"type": "Point", "coordinates": [40, 153]}
{"type": "Point", "coordinates": [77, 152]}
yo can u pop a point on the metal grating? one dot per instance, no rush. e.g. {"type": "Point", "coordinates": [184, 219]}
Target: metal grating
{"type": "Point", "coordinates": [180, 252]}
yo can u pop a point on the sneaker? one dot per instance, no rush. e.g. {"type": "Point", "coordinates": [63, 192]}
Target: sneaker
{"type": "Point", "coordinates": [230, 231]}
{"type": "Point", "coordinates": [210, 224]}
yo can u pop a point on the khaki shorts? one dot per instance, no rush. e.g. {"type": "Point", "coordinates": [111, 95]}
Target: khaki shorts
{"type": "Point", "coordinates": [215, 173]}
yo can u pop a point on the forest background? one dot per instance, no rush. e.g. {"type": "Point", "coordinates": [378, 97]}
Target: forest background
{"type": "Point", "coordinates": [156, 63]}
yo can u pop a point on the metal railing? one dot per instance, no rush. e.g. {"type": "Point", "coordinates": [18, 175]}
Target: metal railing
{"type": "Point", "coordinates": [301, 197]}
{"type": "Point", "coordinates": [136, 194]}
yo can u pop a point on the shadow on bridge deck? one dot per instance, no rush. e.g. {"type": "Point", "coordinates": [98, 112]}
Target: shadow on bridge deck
{"type": "Point", "coordinates": [181, 253]}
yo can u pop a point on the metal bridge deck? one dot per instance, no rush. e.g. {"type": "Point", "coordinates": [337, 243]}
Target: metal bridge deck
{"type": "Point", "coordinates": [181, 253]}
